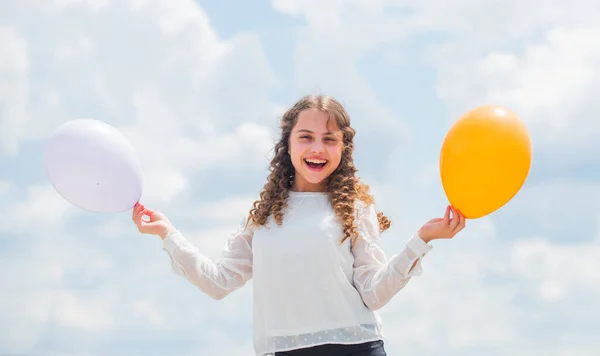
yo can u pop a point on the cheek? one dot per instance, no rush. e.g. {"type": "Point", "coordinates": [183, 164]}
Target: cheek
{"type": "Point", "coordinates": [336, 154]}
{"type": "Point", "coordinates": [296, 154]}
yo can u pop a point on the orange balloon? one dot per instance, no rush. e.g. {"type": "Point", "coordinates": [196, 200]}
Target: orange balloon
{"type": "Point", "coordinates": [485, 160]}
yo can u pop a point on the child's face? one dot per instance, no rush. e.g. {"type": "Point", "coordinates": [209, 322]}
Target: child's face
{"type": "Point", "coordinates": [316, 145]}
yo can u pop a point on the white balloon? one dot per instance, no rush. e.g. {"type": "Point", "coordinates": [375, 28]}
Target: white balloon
{"type": "Point", "coordinates": [93, 166]}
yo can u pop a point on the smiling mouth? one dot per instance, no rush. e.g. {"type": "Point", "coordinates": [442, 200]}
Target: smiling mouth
{"type": "Point", "coordinates": [316, 164]}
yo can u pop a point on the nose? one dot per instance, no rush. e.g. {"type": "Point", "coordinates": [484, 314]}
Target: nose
{"type": "Point", "coordinates": [317, 147]}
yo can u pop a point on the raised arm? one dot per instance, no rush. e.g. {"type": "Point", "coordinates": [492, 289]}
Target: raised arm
{"type": "Point", "coordinates": [376, 278]}
{"type": "Point", "coordinates": [216, 277]}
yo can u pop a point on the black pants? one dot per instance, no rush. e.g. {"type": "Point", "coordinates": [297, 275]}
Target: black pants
{"type": "Point", "coordinates": [372, 348]}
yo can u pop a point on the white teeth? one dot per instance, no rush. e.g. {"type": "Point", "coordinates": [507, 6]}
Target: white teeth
{"type": "Point", "coordinates": [317, 161]}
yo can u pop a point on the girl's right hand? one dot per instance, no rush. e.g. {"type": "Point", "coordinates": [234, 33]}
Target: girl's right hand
{"type": "Point", "coordinates": [156, 224]}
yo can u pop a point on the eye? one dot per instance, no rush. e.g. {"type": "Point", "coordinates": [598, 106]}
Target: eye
{"type": "Point", "coordinates": [305, 137]}
{"type": "Point", "coordinates": [331, 139]}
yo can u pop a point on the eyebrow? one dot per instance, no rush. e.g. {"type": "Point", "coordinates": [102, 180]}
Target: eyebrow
{"type": "Point", "coordinates": [308, 131]}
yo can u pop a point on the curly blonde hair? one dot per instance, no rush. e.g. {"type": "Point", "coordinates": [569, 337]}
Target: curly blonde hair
{"type": "Point", "coordinates": [343, 186]}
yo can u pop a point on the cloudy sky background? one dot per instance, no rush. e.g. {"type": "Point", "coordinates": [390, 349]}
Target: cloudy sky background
{"type": "Point", "coordinates": [197, 87]}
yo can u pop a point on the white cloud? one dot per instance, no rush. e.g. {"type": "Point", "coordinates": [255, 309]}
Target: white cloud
{"type": "Point", "coordinates": [108, 286]}
{"type": "Point", "coordinates": [229, 211]}
{"type": "Point", "coordinates": [549, 268]}
{"type": "Point", "coordinates": [448, 307]}
{"type": "Point", "coordinates": [43, 210]}
{"type": "Point", "coordinates": [336, 38]}
{"type": "Point", "coordinates": [149, 311]}
{"type": "Point", "coordinates": [551, 85]}
{"type": "Point", "coordinates": [91, 312]}
{"type": "Point", "coordinates": [321, 15]}
{"type": "Point", "coordinates": [38, 287]}
{"type": "Point", "coordinates": [93, 5]}
{"type": "Point", "coordinates": [481, 292]}
{"type": "Point", "coordinates": [540, 59]}
{"type": "Point", "coordinates": [14, 88]}
{"type": "Point", "coordinates": [169, 155]}
{"type": "Point", "coordinates": [487, 288]}
{"type": "Point", "coordinates": [166, 65]}
{"type": "Point", "coordinates": [5, 187]}
{"type": "Point", "coordinates": [158, 72]}
{"type": "Point", "coordinates": [193, 103]}
{"type": "Point", "coordinates": [491, 24]}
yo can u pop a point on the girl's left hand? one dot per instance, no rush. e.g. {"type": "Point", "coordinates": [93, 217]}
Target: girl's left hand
{"type": "Point", "coordinates": [443, 228]}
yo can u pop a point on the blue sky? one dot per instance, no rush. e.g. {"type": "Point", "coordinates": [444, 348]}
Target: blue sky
{"type": "Point", "coordinates": [197, 88]}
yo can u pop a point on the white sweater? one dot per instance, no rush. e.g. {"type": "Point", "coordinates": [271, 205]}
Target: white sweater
{"type": "Point", "coordinates": [308, 288]}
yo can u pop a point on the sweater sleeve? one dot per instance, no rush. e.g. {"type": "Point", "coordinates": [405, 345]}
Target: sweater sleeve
{"type": "Point", "coordinates": [376, 277]}
{"type": "Point", "coordinates": [216, 277]}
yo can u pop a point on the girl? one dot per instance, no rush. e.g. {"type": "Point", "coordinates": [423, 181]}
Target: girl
{"type": "Point", "coordinates": [311, 243]}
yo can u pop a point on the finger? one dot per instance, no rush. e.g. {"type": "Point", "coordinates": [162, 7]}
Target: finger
{"type": "Point", "coordinates": [137, 208]}
{"type": "Point", "coordinates": [145, 226]}
{"type": "Point", "coordinates": [455, 219]}
{"type": "Point", "coordinates": [153, 215]}
{"type": "Point", "coordinates": [463, 221]}
{"type": "Point", "coordinates": [447, 216]}
{"type": "Point", "coordinates": [138, 218]}
{"type": "Point", "coordinates": [156, 215]}
{"type": "Point", "coordinates": [149, 227]}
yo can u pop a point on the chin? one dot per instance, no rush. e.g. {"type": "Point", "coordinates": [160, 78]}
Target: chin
{"type": "Point", "coordinates": [316, 180]}
{"type": "Point", "coordinates": [319, 178]}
